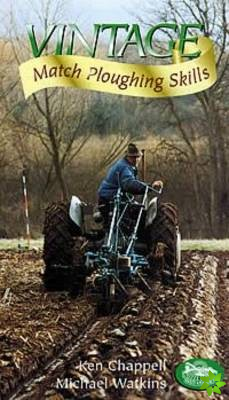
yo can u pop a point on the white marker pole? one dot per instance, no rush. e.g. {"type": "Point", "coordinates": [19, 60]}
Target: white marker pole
{"type": "Point", "coordinates": [26, 206]}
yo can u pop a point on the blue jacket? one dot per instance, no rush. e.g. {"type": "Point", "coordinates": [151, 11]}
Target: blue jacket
{"type": "Point", "coordinates": [121, 174]}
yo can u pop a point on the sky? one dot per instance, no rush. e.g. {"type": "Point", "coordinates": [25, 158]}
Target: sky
{"type": "Point", "coordinates": [84, 12]}
{"type": "Point", "coordinates": [105, 10]}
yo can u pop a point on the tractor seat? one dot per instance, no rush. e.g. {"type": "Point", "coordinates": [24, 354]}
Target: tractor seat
{"type": "Point", "coordinates": [141, 248]}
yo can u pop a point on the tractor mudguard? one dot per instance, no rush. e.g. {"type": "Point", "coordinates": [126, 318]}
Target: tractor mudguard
{"type": "Point", "coordinates": [151, 212]}
{"type": "Point", "coordinates": [76, 211]}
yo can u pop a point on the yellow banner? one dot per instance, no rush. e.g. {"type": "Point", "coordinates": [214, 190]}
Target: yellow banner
{"type": "Point", "coordinates": [121, 78]}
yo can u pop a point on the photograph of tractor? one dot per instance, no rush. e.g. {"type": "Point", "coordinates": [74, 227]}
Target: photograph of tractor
{"type": "Point", "coordinates": [136, 240]}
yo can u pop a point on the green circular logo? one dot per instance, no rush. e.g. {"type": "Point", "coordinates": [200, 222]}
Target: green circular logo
{"type": "Point", "coordinates": [190, 372]}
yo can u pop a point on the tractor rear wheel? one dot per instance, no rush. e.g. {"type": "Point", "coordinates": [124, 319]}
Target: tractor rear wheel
{"type": "Point", "coordinates": [164, 241]}
{"type": "Point", "coordinates": [61, 255]}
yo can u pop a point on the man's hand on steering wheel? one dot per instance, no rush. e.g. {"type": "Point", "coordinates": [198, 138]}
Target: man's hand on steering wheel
{"type": "Point", "coordinates": [158, 185]}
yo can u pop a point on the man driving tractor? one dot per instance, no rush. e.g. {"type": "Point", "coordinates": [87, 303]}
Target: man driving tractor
{"type": "Point", "coordinates": [123, 173]}
{"type": "Point", "coordinates": [149, 242]}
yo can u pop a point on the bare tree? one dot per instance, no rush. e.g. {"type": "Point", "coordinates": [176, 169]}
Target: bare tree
{"type": "Point", "coordinates": [52, 115]}
{"type": "Point", "coordinates": [209, 116]}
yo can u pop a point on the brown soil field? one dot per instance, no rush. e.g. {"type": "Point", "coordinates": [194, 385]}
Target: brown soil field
{"type": "Point", "coordinates": [50, 339]}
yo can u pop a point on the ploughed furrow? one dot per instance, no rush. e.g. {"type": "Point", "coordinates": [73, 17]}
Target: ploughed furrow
{"type": "Point", "coordinates": [200, 333]}
{"type": "Point", "coordinates": [35, 326]}
{"type": "Point", "coordinates": [54, 347]}
{"type": "Point", "coordinates": [133, 354]}
{"type": "Point", "coordinates": [223, 316]}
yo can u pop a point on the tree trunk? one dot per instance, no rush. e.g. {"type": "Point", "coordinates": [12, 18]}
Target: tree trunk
{"type": "Point", "coordinates": [56, 156]}
{"type": "Point", "coordinates": [218, 171]}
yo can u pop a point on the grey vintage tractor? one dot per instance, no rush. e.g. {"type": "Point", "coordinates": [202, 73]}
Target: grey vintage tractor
{"type": "Point", "coordinates": [141, 240]}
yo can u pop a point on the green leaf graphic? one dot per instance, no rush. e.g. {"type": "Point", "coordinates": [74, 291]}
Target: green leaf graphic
{"type": "Point", "coordinates": [205, 378]}
{"type": "Point", "coordinates": [204, 386]}
{"type": "Point", "coordinates": [218, 377]}
{"type": "Point", "coordinates": [215, 383]}
{"type": "Point", "coordinates": [220, 384]}
{"type": "Point", "coordinates": [216, 390]}
{"type": "Point", "coordinates": [209, 390]}
{"type": "Point", "coordinates": [211, 375]}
